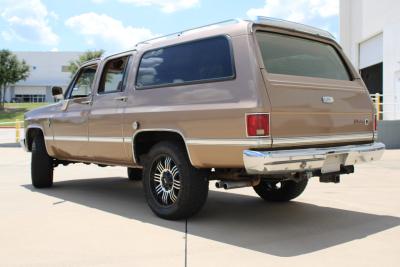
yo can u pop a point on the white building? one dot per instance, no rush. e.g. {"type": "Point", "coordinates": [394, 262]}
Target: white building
{"type": "Point", "coordinates": [370, 36]}
{"type": "Point", "coordinates": [47, 69]}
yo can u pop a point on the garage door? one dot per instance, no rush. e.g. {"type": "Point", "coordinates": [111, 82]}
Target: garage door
{"type": "Point", "coordinates": [371, 51]}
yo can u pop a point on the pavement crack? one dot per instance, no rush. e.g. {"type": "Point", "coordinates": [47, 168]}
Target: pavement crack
{"type": "Point", "coordinates": [59, 202]}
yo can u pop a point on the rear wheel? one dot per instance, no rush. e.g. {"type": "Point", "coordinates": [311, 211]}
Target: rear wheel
{"type": "Point", "coordinates": [280, 191]}
{"type": "Point", "coordinates": [135, 174]}
{"type": "Point", "coordinates": [174, 189]}
{"type": "Point", "coordinates": [41, 164]}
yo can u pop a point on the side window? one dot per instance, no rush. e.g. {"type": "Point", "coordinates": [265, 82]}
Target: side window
{"type": "Point", "coordinates": [198, 61]}
{"type": "Point", "coordinates": [83, 83]}
{"type": "Point", "coordinates": [112, 78]}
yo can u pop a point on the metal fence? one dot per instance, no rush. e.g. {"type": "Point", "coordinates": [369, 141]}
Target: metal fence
{"type": "Point", "coordinates": [385, 104]}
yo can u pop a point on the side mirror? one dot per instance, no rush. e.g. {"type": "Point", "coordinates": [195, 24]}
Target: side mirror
{"type": "Point", "coordinates": [57, 92]}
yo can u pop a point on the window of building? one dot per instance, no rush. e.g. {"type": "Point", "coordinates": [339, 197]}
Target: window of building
{"type": "Point", "coordinates": [82, 86]}
{"type": "Point", "coordinates": [290, 55]}
{"type": "Point", "coordinates": [29, 98]}
{"type": "Point", "coordinates": [112, 79]}
{"type": "Point", "coordinates": [198, 61]}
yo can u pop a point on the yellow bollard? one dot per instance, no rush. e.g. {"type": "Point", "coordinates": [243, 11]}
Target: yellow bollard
{"type": "Point", "coordinates": [17, 128]}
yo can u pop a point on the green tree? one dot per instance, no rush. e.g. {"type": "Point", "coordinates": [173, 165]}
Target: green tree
{"type": "Point", "coordinates": [12, 71]}
{"type": "Point", "coordinates": [88, 55]}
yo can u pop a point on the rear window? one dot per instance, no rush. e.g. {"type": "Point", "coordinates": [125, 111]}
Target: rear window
{"type": "Point", "coordinates": [199, 61]}
{"type": "Point", "coordinates": [288, 55]}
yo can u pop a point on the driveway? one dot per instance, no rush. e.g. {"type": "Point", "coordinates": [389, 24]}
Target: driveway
{"type": "Point", "coordinates": [95, 216]}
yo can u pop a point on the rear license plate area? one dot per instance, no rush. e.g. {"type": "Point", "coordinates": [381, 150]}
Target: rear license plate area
{"type": "Point", "coordinates": [332, 163]}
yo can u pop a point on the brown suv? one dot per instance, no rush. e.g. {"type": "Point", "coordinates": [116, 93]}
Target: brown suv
{"type": "Point", "coordinates": [263, 103]}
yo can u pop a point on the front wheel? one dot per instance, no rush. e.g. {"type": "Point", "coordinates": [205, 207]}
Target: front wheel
{"type": "Point", "coordinates": [280, 191]}
{"type": "Point", "coordinates": [174, 189]}
{"type": "Point", "coordinates": [41, 164]}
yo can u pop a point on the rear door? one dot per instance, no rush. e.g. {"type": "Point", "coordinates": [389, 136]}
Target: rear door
{"type": "Point", "coordinates": [314, 95]}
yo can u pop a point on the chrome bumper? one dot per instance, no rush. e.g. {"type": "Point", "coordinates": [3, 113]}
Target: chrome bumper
{"type": "Point", "coordinates": [294, 160]}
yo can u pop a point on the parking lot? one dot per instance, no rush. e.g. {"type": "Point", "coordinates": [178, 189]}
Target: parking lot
{"type": "Point", "coordinates": [96, 216]}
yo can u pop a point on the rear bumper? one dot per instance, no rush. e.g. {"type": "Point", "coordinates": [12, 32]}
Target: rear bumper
{"type": "Point", "coordinates": [297, 160]}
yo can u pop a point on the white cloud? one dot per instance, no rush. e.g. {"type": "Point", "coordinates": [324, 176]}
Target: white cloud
{"type": "Point", "coordinates": [298, 11]}
{"type": "Point", "coordinates": [6, 35]}
{"type": "Point", "coordinates": [167, 6]}
{"type": "Point", "coordinates": [28, 20]}
{"type": "Point", "coordinates": [104, 31]}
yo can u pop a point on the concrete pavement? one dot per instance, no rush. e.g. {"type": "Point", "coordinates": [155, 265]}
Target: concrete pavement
{"type": "Point", "coordinates": [7, 135]}
{"type": "Point", "coordinates": [96, 217]}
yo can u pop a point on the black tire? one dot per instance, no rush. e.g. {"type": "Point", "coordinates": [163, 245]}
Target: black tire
{"type": "Point", "coordinates": [41, 164]}
{"type": "Point", "coordinates": [135, 174]}
{"type": "Point", "coordinates": [288, 190]}
{"type": "Point", "coordinates": [174, 190]}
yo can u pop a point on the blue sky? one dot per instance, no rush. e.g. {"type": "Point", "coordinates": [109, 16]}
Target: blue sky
{"type": "Point", "coordinates": [115, 25]}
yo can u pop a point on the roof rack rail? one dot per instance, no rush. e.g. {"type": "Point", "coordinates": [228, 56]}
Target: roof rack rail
{"type": "Point", "coordinates": [224, 22]}
{"type": "Point", "coordinates": [293, 25]}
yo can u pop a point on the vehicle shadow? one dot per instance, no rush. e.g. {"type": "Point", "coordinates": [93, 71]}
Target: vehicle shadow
{"type": "Point", "coordinates": [284, 230]}
{"type": "Point", "coordinates": [10, 145]}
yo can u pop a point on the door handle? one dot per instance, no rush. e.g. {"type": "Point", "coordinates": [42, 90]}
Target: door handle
{"type": "Point", "coordinates": [121, 98]}
{"type": "Point", "coordinates": [87, 102]}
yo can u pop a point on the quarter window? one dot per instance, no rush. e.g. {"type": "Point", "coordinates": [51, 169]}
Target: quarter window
{"type": "Point", "coordinates": [112, 79]}
{"type": "Point", "coordinates": [199, 61]}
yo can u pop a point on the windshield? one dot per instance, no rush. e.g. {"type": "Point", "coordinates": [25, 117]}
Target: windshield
{"type": "Point", "coordinates": [289, 55]}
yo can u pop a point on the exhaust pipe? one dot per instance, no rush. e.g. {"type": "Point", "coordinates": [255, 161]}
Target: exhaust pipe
{"type": "Point", "coordinates": [236, 184]}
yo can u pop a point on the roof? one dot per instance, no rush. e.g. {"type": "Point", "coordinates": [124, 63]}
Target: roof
{"type": "Point", "coordinates": [229, 25]}
{"type": "Point", "coordinates": [232, 27]}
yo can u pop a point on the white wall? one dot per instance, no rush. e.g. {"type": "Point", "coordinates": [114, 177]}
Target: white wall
{"type": "Point", "coordinates": [47, 67]}
{"type": "Point", "coordinates": [45, 72]}
{"type": "Point", "coordinates": [30, 90]}
{"type": "Point", "coordinates": [363, 19]}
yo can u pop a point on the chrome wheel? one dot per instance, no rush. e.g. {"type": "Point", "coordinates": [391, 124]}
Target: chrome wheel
{"type": "Point", "coordinates": [165, 181]}
{"type": "Point", "coordinates": [174, 189]}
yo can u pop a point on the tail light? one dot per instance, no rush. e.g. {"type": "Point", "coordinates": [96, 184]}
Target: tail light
{"type": "Point", "coordinates": [257, 124]}
{"type": "Point", "coordinates": [375, 122]}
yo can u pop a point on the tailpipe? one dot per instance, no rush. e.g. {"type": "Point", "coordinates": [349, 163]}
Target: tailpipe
{"type": "Point", "coordinates": [236, 184]}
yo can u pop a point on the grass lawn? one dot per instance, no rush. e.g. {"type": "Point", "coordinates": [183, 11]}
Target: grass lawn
{"type": "Point", "coordinates": [15, 111]}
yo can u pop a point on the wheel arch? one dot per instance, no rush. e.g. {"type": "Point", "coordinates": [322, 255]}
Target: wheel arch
{"type": "Point", "coordinates": [31, 132]}
{"type": "Point", "coordinates": [143, 140]}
